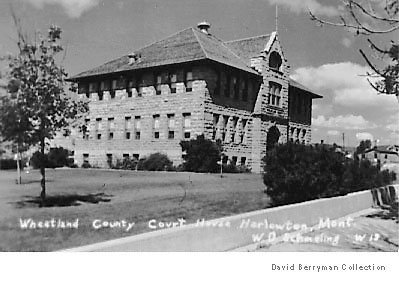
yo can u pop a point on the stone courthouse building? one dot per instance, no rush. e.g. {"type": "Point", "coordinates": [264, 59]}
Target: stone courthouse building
{"type": "Point", "coordinates": [188, 84]}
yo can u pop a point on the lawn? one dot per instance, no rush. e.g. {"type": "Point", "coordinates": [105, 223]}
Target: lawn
{"type": "Point", "coordinates": [105, 195]}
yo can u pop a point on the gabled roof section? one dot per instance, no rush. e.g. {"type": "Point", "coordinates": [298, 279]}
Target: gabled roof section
{"type": "Point", "coordinates": [294, 83]}
{"type": "Point", "coordinates": [251, 47]}
{"type": "Point", "coordinates": [185, 46]}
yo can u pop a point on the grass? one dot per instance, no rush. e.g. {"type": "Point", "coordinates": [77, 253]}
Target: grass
{"type": "Point", "coordinates": [107, 195]}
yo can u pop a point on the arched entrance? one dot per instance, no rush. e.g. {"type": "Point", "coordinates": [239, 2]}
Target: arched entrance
{"type": "Point", "coordinates": [273, 136]}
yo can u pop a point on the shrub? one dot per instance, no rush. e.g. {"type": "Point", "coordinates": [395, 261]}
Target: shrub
{"type": "Point", "coordinates": [126, 164]}
{"type": "Point", "coordinates": [233, 168]}
{"type": "Point", "coordinates": [202, 155]}
{"type": "Point", "coordinates": [156, 162]}
{"type": "Point", "coordinates": [86, 165]}
{"type": "Point", "coordinates": [9, 163]}
{"type": "Point", "coordinates": [57, 157]}
{"type": "Point", "coordinates": [296, 173]}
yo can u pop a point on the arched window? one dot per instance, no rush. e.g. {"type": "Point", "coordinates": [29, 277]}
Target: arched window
{"type": "Point", "coordinates": [275, 61]}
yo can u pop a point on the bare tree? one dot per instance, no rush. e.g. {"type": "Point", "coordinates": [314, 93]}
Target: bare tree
{"type": "Point", "coordinates": [370, 18]}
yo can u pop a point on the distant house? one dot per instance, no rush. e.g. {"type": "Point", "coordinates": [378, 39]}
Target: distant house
{"type": "Point", "coordinates": [382, 154]}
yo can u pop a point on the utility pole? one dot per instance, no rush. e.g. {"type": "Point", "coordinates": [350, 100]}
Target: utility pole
{"type": "Point", "coordinates": [343, 142]}
{"type": "Point", "coordinates": [276, 18]}
{"type": "Point", "coordinates": [221, 166]}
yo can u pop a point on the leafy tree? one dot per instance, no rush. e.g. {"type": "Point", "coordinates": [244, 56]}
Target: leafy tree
{"type": "Point", "coordinates": [201, 155]}
{"type": "Point", "coordinates": [368, 19]}
{"type": "Point", "coordinates": [37, 105]}
{"type": "Point", "coordinates": [297, 173]}
{"type": "Point", "coordinates": [363, 146]}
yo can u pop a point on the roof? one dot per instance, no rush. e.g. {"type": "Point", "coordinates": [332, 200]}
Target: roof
{"type": "Point", "coordinates": [248, 48]}
{"type": "Point", "coordinates": [379, 150]}
{"type": "Point", "coordinates": [185, 46]}
{"type": "Point", "coordinates": [294, 83]}
{"type": "Point", "coordinates": [190, 45]}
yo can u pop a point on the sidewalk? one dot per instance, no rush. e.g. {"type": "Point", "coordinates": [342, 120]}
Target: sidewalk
{"type": "Point", "coordinates": [377, 229]}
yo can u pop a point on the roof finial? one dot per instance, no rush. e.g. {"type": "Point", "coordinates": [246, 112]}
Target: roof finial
{"type": "Point", "coordinates": [276, 17]}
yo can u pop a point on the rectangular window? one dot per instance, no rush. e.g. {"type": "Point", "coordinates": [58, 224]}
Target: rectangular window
{"type": "Point", "coordinates": [234, 86]}
{"type": "Point", "coordinates": [227, 86]}
{"type": "Point", "coordinates": [243, 160]}
{"type": "Point", "coordinates": [244, 131]}
{"type": "Point", "coordinates": [234, 127]}
{"type": "Point", "coordinates": [215, 124]}
{"type": "Point", "coordinates": [218, 83]}
{"type": "Point", "coordinates": [109, 159]}
{"type": "Point", "coordinates": [114, 84]}
{"type": "Point", "coordinates": [85, 158]}
{"type": "Point", "coordinates": [99, 136]}
{"type": "Point", "coordinates": [105, 85]}
{"type": "Point", "coordinates": [244, 89]}
{"type": "Point", "coordinates": [126, 156]}
{"type": "Point", "coordinates": [187, 125]}
{"type": "Point", "coordinates": [274, 94]}
{"type": "Point", "coordinates": [189, 81]}
{"type": "Point", "coordinates": [224, 127]}
{"type": "Point", "coordinates": [156, 121]}
{"type": "Point", "coordinates": [83, 88]}
{"type": "Point", "coordinates": [86, 129]}
{"type": "Point", "coordinates": [172, 82]}
{"type": "Point", "coordinates": [234, 160]}
{"type": "Point", "coordinates": [93, 87]}
{"type": "Point", "coordinates": [137, 127]}
{"type": "Point", "coordinates": [140, 86]}
{"type": "Point", "coordinates": [136, 156]}
{"type": "Point", "coordinates": [128, 126]}
{"type": "Point", "coordinates": [171, 126]}
{"type": "Point", "coordinates": [98, 124]}
{"type": "Point", "coordinates": [111, 128]}
{"type": "Point", "coordinates": [158, 84]}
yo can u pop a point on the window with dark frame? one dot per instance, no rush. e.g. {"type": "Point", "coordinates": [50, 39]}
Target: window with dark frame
{"type": "Point", "coordinates": [85, 158]}
{"type": "Point", "coordinates": [172, 81]}
{"type": "Point", "coordinates": [98, 127]}
{"type": "Point", "coordinates": [234, 86]}
{"type": "Point", "coordinates": [158, 83]}
{"type": "Point", "coordinates": [111, 128]}
{"type": "Point", "coordinates": [215, 124]}
{"type": "Point", "coordinates": [128, 122]}
{"type": "Point", "coordinates": [156, 121]}
{"type": "Point", "coordinates": [140, 86]}
{"type": "Point", "coordinates": [171, 126]}
{"type": "Point", "coordinates": [188, 80]}
{"type": "Point", "coordinates": [130, 84]}
{"type": "Point", "coordinates": [137, 127]}
{"type": "Point", "coordinates": [186, 125]}
{"type": "Point", "coordinates": [274, 94]}
{"type": "Point", "coordinates": [109, 159]}
{"type": "Point", "coordinates": [227, 88]}
{"type": "Point", "coordinates": [86, 129]}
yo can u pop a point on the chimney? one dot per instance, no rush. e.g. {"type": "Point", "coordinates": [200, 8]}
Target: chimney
{"type": "Point", "coordinates": [204, 26]}
{"type": "Point", "coordinates": [133, 57]}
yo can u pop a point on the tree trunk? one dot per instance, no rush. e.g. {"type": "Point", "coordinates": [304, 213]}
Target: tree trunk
{"type": "Point", "coordinates": [43, 173]}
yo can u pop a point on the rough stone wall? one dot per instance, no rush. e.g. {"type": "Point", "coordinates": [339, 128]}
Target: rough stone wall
{"type": "Point", "coordinates": [301, 133]}
{"type": "Point", "coordinates": [235, 113]}
{"type": "Point", "coordinates": [146, 106]}
{"type": "Point", "coordinates": [265, 115]}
